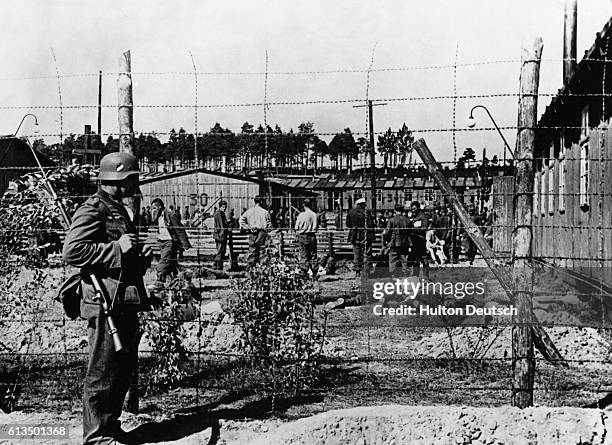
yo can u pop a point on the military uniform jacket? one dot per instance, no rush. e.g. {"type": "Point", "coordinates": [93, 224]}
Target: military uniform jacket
{"type": "Point", "coordinates": [356, 222]}
{"type": "Point", "coordinates": [221, 231]}
{"type": "Point", "coordinates": [92, 244]}
{"type": "Point", "coordinates": [397, 232]}
{"type": "Point", "coordinates": [176, 229]}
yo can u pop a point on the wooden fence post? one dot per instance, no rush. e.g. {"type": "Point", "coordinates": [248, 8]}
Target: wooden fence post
{"type": "Point", "coordinates": [523, 361]}
{"type": "Point", "coordinates": [126, 144]}
{"type": "Point", "coordinates": [125, 103]}
{"type": "Point", "coordinates": [125, 114]}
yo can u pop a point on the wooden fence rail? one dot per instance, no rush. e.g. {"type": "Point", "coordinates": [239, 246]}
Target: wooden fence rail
{"type": "Point", "coordinates": [204, 244]}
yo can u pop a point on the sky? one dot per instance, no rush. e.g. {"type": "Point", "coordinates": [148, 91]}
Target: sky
{"type": "Point", "coordinates": [318, 51]}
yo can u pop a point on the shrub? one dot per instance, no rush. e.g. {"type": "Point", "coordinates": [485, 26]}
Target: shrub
{"type": "Point", "coordinates": [274, 306]}
{"type": "Point", "coordinates": [30, 218]}
{"type": "Point", "coordinates": [29, 221]}
{"type": "Point", "coordinates": [164, 327]}
{"type": "Point", "coordinates": [22, 287]}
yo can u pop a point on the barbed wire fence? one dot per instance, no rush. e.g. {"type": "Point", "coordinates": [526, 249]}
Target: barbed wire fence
{"type": "Point", "coordinates": [367, 359]}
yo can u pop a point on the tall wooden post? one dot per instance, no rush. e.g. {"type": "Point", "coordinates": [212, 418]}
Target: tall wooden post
{"type": "Point", "coordinates": [126, 105]}
{"type": "Point", "coordinates": [570, 29]}
{"type": "Point", "coordinates": [523, 362]}
{"type": "Point", "coordinates": [126, 120]}
{"type": "Point", "coordinates": [126, 141]}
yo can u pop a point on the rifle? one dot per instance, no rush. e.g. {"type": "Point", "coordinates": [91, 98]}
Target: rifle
{"type": "Point", "coordinates": [100, 294]}
{"type": "Point", "coordinates": [102, 298]}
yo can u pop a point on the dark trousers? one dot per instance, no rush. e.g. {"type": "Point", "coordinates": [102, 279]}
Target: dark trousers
{"type": "Point", "coordinates": [307, 243]}
{"type": "Point", "coordinates": [401, 255]}
{"type": "Point", "coordinates": [108, 375]}
{"type": "Point", "coordinates": [361, 251]}
{"type": "Point", "coordinates": [168, 259]}
{"type": "Point", "coordinates": [418, 257]}
{"type": "Point", "coordinates": [233, 256]}
{"type": "Point", "coordinates": [257, 241]}
{"type": "Point", "coordinates": [221, 249]}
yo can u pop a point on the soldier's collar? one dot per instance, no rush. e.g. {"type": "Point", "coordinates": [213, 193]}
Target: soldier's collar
{"type": "Point", "coordinates": [106, 196]}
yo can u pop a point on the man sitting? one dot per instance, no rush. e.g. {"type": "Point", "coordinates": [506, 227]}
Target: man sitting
{"type": "Point", "coordinates": [435, 247]}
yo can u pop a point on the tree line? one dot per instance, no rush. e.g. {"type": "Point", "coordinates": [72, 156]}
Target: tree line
{"type": "Point", "coordinates": [251, 147]}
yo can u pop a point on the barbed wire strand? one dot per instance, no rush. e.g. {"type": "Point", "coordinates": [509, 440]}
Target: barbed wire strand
{"type": "Point", "coordinates": [59, 94]}
{"type": "Point", "coordinates": [455, 102]}
{"type": "Point", "coordinates": [304, 102]}
{"type": "Point", "coordinates": [469, 65]}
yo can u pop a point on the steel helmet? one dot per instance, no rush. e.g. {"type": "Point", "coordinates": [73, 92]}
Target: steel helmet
{"type": "Point", "coordinates": [117, 166]}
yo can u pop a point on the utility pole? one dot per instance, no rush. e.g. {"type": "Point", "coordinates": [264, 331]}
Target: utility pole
{"type": "Point", "coordinates": [366, 269]}
{"type": "Point", "coordinates": [372, 150]}
{"type": "Point", "coordinates": [86, 137]}
{"type": "Point", "coordinates": [100, 105]}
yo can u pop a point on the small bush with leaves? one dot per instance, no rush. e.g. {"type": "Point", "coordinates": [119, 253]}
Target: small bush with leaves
{"type": "Point", "coordinates": [30, 221]}
{"type": "Point", "coordinates": [274, 306]}
{"type": "Point", "coordinates": [164, 328]}
{"type": "Point", "coordinates": [29, 217]}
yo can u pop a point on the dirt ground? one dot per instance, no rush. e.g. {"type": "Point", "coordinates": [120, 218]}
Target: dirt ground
{"type": "Point", "coordinates": [368, 364]}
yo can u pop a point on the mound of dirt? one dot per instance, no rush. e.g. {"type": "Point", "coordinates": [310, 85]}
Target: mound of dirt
{"type": "Point", "coordinates": [574, 343]}
{"type": "Point", "coordinates": [396, 424]}
{"type": "Point", "coordinates": [210, 331]}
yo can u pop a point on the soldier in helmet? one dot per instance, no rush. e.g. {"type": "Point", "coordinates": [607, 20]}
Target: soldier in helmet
{"type": "Point", "coordinates": [103, 239]}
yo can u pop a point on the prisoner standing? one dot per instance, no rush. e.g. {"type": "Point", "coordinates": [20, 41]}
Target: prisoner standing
{"type": "Point", "coordinates": [171, 237]}
{"type": "Point", "coordinates": [256, 222]}
{"type": "Point", "coordinates": [306, 226]}
{"type": "Point", "coordinates": [220, 234]}
{"type": "Point", "coordinates": [361, 234]}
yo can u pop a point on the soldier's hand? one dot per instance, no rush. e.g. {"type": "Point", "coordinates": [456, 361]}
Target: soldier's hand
{"type": "Point", "coordinates": [127, 242]}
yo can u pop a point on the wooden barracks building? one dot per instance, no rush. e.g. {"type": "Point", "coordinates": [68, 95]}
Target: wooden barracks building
{"type": "Point", "coordinates": [573, 170]}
